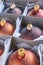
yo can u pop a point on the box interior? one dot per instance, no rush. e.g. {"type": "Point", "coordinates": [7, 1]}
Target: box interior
{"type": "Point", "coordinates": [35, 21]}
{"type": "Point", "coordinates": [8, 5]}
{"type": "Point", "coordinates": [32, 6]}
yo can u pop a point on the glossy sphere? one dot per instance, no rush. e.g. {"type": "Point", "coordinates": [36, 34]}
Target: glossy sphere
{"type": "Point", "coordinates": [29, 59]}
{"type": "Point", "coordinates": [32, 34]}
{"type": "Point", "coordinates": [34, 14]}
{"type": "Point", "coordinates": [6, 28]}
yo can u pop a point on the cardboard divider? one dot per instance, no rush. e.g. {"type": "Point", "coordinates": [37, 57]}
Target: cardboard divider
{"type": "Point", "coordinates": [19, 1]}
{"type": "Point", "coordinates": [16, 41]}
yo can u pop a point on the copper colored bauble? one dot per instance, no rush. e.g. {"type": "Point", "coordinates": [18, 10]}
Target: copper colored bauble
{"type": "Point", "coordinates": [23, 57]}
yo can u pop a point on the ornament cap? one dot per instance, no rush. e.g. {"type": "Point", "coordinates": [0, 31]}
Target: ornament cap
{"type": "Point", "coordinates": [2, 22]}
{"type": "Point", "coordinates": [12, 6]}
{"type": "Point", "coordinates": [29, 27]}
{"type": "Point", "coordinates": [21, 53]}
{"type": "Point", "coordinates": [36, 7]}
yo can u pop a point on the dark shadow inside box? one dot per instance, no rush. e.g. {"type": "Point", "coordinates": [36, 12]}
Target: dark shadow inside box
{"type": "Point", "coordinates": [18, 43]}
{"type": "Point", "coordinates": [35, 21]}
{"type": "Point", "coordinates": [7, 7]}
{"type": "Point", "coordinates": [32, 6]}
{"type": "Point", "coordinates": [22, 43]}
{"type": "Point", "coordinates": [13, 45]}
